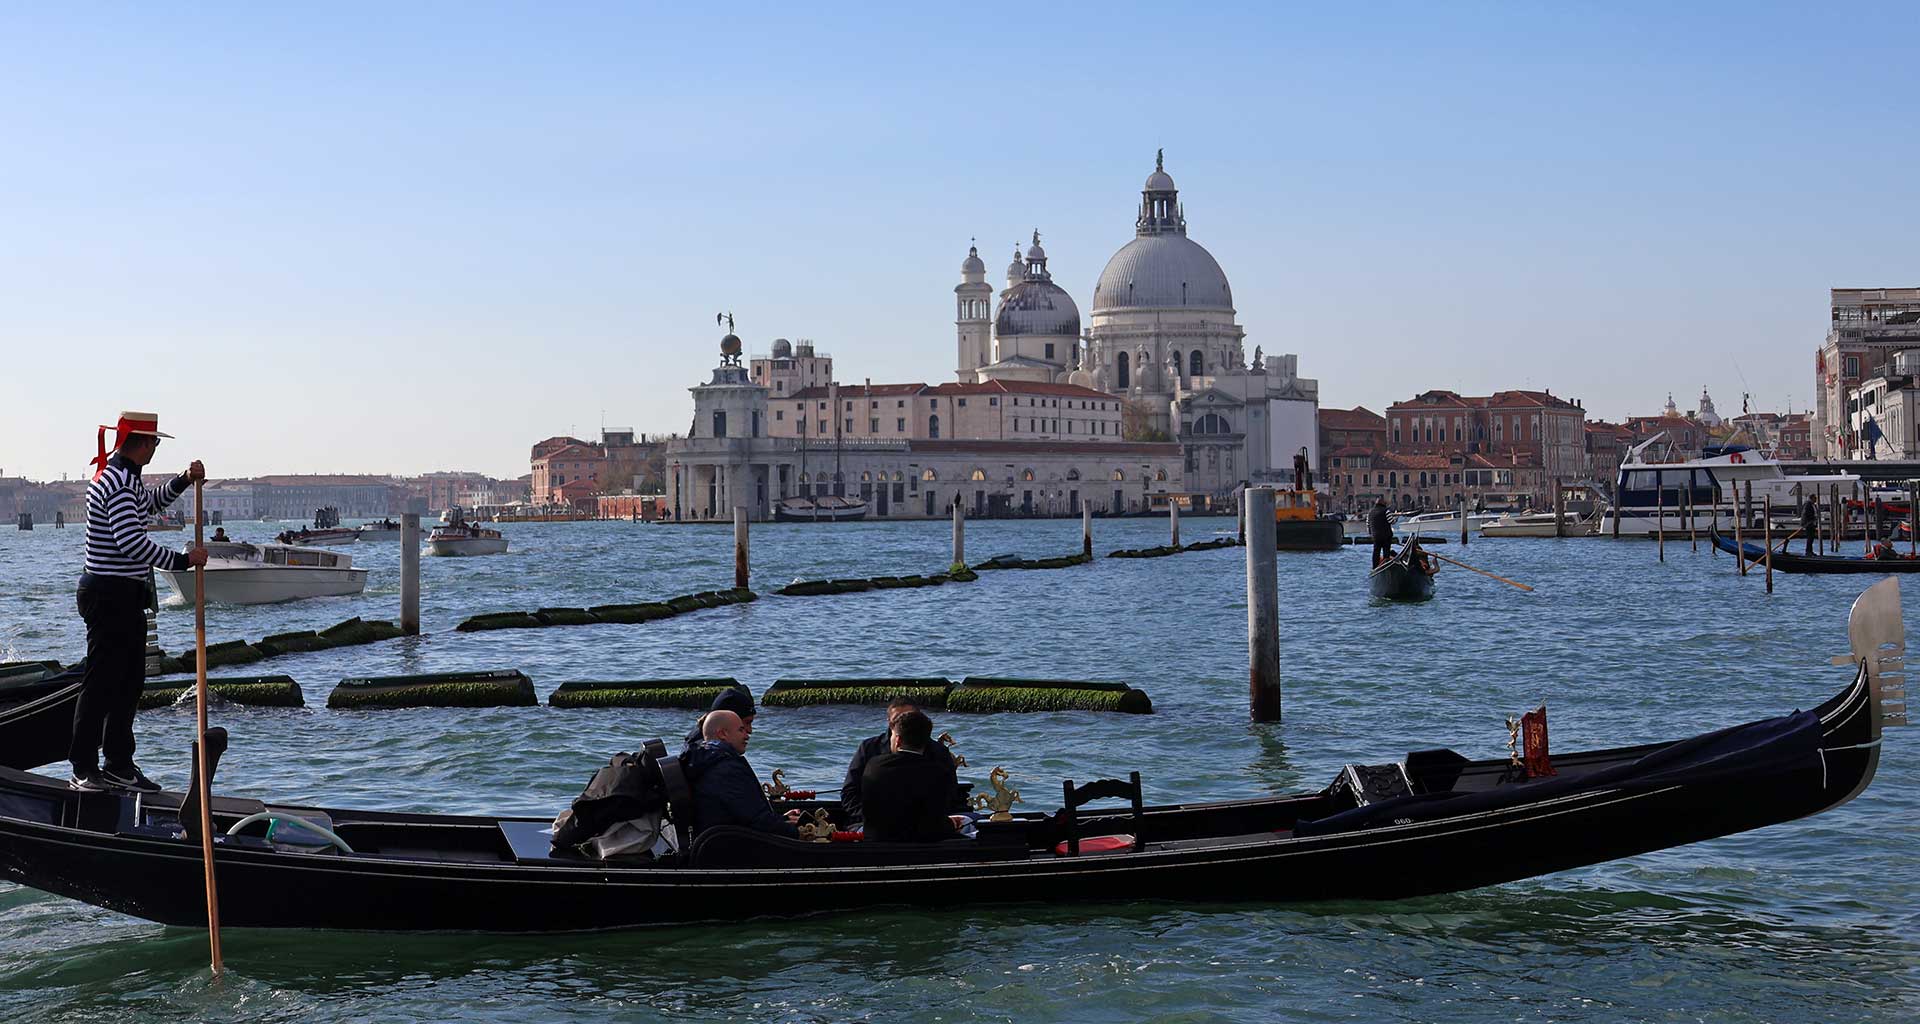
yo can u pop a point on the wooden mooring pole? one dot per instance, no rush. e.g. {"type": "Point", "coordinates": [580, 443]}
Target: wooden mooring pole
{"type": "Point", "coordinates": [1913, 527]}
{"type": "Point", "coordinates": [1739, 538]}
{"type": "Point", "coordinates": [1559, 510]}
{"type": "Point", "coordinates": [1463, 519]}
{"type": "Point", "coordinates": [1263, 609]}
{"type": "Point", "coordinates": [959, 532]}
{"type": "Point", "coordinates": [1766, 532]}
{"type": "Point", "coordinates": [410, 573]}
{"type": "Point", "coordinates": [1660, 514]}
{"type": "Point", "coordinates": [1173, 516]}
{"type": "Point", "coordinates": [740, 547]}
{"type": "Point", "coordinates": [1693, 536]}
{"type": "Point", "coordinates": [1086, 529]}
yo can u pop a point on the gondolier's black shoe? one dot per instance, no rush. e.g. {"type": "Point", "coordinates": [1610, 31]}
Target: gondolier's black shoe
{"type": "Point", "coordinates": [129, 777]}
{"type": "Point", "coordinates": [89, 781]}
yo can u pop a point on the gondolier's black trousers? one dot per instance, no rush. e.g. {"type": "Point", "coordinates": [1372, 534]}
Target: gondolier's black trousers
{"type": "Point", "coordinates": [1382, 549]}
{"type": "Point", "coordinates": [115, 609]}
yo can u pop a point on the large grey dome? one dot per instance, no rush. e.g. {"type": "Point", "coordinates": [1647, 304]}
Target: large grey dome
{"type": "Point", "coordinates": [1037, 306]}
{"type": "Point", "coordinates": [1164, 271]}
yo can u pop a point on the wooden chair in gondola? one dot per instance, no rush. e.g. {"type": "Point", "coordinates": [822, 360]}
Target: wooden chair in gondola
{"type": "Point", "coordinates": [1073, 797]}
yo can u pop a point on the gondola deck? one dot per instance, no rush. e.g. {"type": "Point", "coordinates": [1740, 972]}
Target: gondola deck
{"type": "Point", "coordinates": [1459, 825]}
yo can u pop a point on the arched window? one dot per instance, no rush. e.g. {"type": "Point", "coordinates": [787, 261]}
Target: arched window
{"type": "Point", "coordinates": [1026, 474]}
{"type": "Point", "coordinates": [1123, 376]}
{"type": "Point", "coordinates": [977, 474]}
{"type": "Point", "coordinates": [1159, 474]}
{"type": "Point", "coordinates": [866, 476]}
{"type": "Point", "coordinates": [1196, 365]}
{"type": "Point", "coordinates": [898, 476]}
{"type": "Point", "coordinates": [1119, 474]}
{"type": "Point", "coordinates": [1211, 423]}
{"type": "Point", "coordinates": [1177, 362]}
{"type": "Point", "coordinates": [805, 479]}
{"type": "Point", "coordinates": [929, 474]}
{"type": "Point", "coordinates": [933, 426]}
{"type": "Point", "coordinates": [1073, 474]}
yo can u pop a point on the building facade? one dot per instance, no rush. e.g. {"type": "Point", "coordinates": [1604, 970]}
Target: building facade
{"type": "Point", "coordinates": [1866, 327]}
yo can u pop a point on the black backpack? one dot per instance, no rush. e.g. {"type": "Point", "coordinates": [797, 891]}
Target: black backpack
{"type": "Point", "coordinates": [629, 787]}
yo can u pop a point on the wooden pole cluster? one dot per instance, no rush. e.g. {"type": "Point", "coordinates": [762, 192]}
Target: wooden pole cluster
{"type": "Point", "coordinates": [410, 573]}
{"type": "Point", "coordinates": [200, 732]}
{"type": "Point", "coordinates": [1263, 609]}
{"type": "Point", "coordinates": [1767, 533]}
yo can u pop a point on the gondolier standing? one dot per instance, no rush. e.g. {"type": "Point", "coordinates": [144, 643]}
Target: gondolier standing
{"type": "Point", "coordinates": [113, 598]}
{"type": "Point", "coordinates": [1810, 520]}
{"type": "Point", "coordinates": [1382, 529]}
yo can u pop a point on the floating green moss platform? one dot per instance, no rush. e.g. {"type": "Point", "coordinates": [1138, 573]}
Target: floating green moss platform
{"type": "Point", "coordinates": [351, 633]}
{"type": "Point", "coordinates": [606, 613]}
{"type": "Point", "coordinates": [928, 692]}
{"type": "Point", "coordinates": [995, 693]}
{"type": "Point", "coordinates": [249, 691]}
{"type": "Point", "coordinates": [1176, 549]}
{"type": "Point", "coordinates": [1012, 562]}
{"type": "Point", "coordinates": [696, 694]}
{"type": "Point", "coordinates": [503, 688]}
{"type": "Point", "coordinates": [815, 588]}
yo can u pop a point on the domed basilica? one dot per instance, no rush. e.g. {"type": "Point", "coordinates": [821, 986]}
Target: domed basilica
{"type": "Point", "coordinates": [1163, 335]}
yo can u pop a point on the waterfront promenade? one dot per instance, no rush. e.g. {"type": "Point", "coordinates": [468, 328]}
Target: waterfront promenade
{"type": "Point", "coordinates": [1807, 921]}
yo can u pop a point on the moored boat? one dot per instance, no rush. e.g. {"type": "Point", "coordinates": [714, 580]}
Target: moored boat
{"type": "Point", "coordinates": [1406, 576]}
{"type": "Point", "coordinates": [239, 573]}
{"type": "Point", "coordinates": [328, 537]}
{"type": "Point", "coordinates": [1892, 561]}
{"type": "Point", "coordinates": [1298, 526]}
{"type": "Point", "coordinates": [1431, 822]}
{"type": "Point", "coordinates": [385, 529]}
{"type": "Point", "coordinates": [1539, 524]}
{"type": "Point", "coordinates": [826, 508]}
{"type": "Point", "coordinates": [465, 539]}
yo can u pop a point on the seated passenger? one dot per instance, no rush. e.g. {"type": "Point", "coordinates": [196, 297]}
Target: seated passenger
{"type": "Point", "coordinates": [737, 699]}
{"type": "Point", "coordinates": [725, 790]}
{"type": "Point", "coordinates": [906, 792]}
{"type": "Point", "coordinates": [851, 805]}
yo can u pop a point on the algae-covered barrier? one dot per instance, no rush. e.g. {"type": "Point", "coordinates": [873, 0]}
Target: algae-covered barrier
{"type": "Point", "coordinates": [1175, 549]}
{"type": "Point", "coordinates": [352, 632]}
{"type": "Point", "coordinates": [927, 692]}
{"type": "Point", "coordinates": [815, 588]}
{"type": "Point", "coordinates": [695, 694]}
{"type": "Point", "coordinates": [1016, 562]}
{"type": "Point", "coordinates": [996, 693]}
{"type": "Point", "coordinates": [502, 688]}
{"type": "Point", "coordinates": [247, 691]}
{"type": "Point", "coordinates": [606, 613]}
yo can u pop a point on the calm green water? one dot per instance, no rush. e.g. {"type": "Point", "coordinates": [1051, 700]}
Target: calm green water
{"type": "Point", "coordinates": [1811, 921]}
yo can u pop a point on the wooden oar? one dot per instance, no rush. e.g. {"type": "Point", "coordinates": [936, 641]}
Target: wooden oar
{"type": "Point", "coordinates": [1482, 572]}
{"type": "Point", "coordinates": [200, 748]}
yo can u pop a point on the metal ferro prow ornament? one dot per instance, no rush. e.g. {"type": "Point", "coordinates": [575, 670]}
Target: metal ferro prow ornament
{"type": "Point", "coordinates": [1513, 742]}
{"type": "Point", "coordinates": [778, 787]}
{"type": "Point", "coordinates": [946, 739]}
{"type": "Point", "coordinates": [818, 828]}
{"type": "Point", "coordinates": [1002, 801]}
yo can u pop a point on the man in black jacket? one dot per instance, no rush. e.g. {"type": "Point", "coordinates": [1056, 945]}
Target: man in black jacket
{"type": "Point", "coordinates": [852, 804]}
{"type": "Point", "coordinates": [725, 790]}
{"type": "Point", "coordinates": [1382, 529]}
{"type": "Point", "coordinates": [906, 792]}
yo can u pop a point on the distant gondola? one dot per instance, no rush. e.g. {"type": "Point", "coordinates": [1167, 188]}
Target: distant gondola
{"type": "Point", "coordinates": [1784, 561]}
{"type": "Point", "coordinates": [1432, 823]}
{"type": "Point", "coordinates": [1404, 577]}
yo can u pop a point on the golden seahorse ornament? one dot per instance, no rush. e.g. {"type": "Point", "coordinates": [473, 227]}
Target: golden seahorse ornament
{"type": "Point", "coordinates": [1002, 801]}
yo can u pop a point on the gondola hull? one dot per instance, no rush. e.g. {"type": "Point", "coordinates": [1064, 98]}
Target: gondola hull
{"type": "Point", "coordinates": [1399, 579]}
{"type": "Point", "coordinates": [1785, 561]}
{"type": "Point", "coordinates": [1462, 825]}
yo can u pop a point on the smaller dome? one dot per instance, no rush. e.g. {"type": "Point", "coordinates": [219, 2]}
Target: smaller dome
{"type": "Point", "coordinates": [973, 264]}
{"type": "Point", "coordinates": [1160, 180]}
{"type": "Point", "coordinates": [782, 348]}
{"type": "Point", "coordinates": [1034, 253]}
{"type": "Point", "coordinates": [1081, 378]}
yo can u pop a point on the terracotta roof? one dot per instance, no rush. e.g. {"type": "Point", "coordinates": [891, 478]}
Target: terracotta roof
{"type": "Point", "coordinates": [1394, 460]}
{"type": "Point", "coordinates": [1351, 450]}
{"type": "Point", "coordinates": [1021, 387]}
{"type": "Point", "coordinates": [1513, 458]}
{"type": "Point", "coordinates": [1087, 449]}
{"type": "Point", "coordinates": [1433, 399]}
{"type": "Point", "coordinates": [852, 391]}
{"type": "Point", "coordinates": [573, 451]}
{"type": "Point", "coordinates": [1357, 418]}
{"type": "Point", "coordinates": [1529, 398]}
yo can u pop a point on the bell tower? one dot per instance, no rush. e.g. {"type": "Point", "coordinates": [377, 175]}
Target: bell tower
{"type": "Point", "coordinates": [973, 316]}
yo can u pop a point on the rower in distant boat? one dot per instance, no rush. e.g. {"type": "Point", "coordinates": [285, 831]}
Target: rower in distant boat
{"type": "Point", "coordinates": [1382, 529]}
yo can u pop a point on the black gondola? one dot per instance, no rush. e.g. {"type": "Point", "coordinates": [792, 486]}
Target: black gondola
{"type": "Point", "coordinates": [1404, 577]}
{"type": "Point", "coordinates": [1435, 822]}
{"type": "Point", "coordinates": [1784, 561]}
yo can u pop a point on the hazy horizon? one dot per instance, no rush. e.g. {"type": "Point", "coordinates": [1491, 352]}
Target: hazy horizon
{"type": "Point", "coordinates": [384, 240]}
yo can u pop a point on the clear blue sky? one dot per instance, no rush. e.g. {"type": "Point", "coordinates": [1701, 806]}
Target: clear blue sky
{"type": "Point", "coordinates": [396, 238]}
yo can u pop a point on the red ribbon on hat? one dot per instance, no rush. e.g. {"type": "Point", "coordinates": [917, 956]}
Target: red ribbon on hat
{"type": "Point", "coordinates": [121, 431]}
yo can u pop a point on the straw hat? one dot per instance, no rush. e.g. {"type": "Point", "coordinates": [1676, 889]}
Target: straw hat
{"type": "Point", "coordinates": [131, 424]}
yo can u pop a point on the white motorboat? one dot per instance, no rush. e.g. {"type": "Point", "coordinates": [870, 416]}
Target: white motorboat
{"type": "Point", "coordinates": [465, 539]}
{"type": "Point", "coordinates": [385, 529]}
{"type": "Point", "coordinates": [329, 537]}
{"type": "Point", "coordinates": [824, 509]}
{"type": "Point", "coordinates": [1653, 495]}
{"type": "Point", "coordinates": [1539, 524]}
{"type": "Point", "coordinates": [269, 573]}
{"type": "Point", "coordinates": [1437, 522]}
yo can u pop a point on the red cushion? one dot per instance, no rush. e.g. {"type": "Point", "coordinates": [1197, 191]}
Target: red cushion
{"type": "Point", "coordinates": [1098, 844]}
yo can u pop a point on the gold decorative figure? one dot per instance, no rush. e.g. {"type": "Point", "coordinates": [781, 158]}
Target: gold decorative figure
{"type": "Point", "coordinates": [1002, 801]}
{"type": "Point", "coordinates": [818, 828]}
{"type": "Point", "coordinates": [778, 789]}
{"type": "Point", "coordinates": [1513, 742]}
{"type": "Point", "coordinates": [947, 739]}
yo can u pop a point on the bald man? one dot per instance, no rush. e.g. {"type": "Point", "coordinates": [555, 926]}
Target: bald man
{"type": "Point", "coordinates": [725, 790]}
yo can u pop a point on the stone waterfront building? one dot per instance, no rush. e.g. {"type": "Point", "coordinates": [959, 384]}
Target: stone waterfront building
{"type": "Point", "coordinates": [1867, 326]}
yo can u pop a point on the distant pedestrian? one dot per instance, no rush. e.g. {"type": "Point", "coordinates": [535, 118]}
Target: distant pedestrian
{"type": "Point", "coordinates": [113, 599]}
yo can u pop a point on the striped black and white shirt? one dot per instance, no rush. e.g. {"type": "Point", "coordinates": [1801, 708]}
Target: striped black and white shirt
{"type": "Point", "coordinates": [118, 507]}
